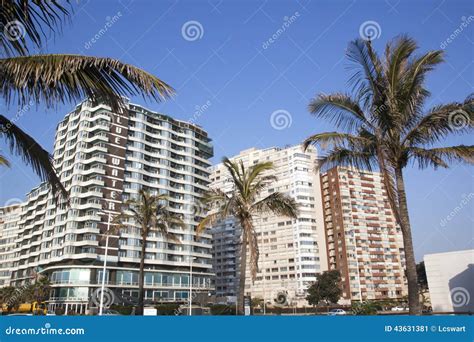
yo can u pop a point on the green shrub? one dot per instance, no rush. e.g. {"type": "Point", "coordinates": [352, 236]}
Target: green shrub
{"type": "Point", "coordinates": [365, 308]}
{"type": "Point", "coordinates": [167, 309]}
{"type": "Point", "coordinates": [122, 309]}
{"type": "Point", "coordinates": [222, 309]}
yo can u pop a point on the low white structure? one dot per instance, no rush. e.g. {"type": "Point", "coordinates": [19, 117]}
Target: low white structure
{"type": "Point", "coordinates": [451, 281]}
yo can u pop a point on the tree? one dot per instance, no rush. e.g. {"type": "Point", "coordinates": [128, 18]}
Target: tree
{"type": "Point", "coordinates": [421, 274]}
{"type": "Point", "coordinates": [9, 298]}
{"type": "Point", "coordinates": [243, 202]}
{"type": "Point", "coordinates": [384, 126]}
{"type": "Point", "coordinates": [151, 214]}
{"type": "Point", "coordinates": [326, 288]}
{"type": "Point", "coordinates": [55, 78]}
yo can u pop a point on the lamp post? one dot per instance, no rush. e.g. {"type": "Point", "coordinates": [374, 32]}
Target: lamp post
{"type": "Point", "coordinates": [191, 258]}
{"type": "Point", "coordinates": [101, 305]}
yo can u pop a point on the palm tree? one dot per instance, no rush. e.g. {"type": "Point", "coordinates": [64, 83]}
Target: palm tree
{"type": "Point", "coordinates": [244, 202]}
{"type": "Point", "coordinates": [56, 78]}
{"type": "Point", "coordinates": [152, 215]}
{"type": "Point", "coordinates": [384, 125]}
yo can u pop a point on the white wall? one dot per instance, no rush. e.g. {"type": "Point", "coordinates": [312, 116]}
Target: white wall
{"type": "Point", "coordinates": [451, 280]}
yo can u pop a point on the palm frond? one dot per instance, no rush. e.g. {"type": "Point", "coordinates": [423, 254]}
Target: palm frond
{"type": "Point", "coordinates": [340, 156]}
{"type": "Point", "coordinates": [32, 154]}
{"type": "Point", "coordinates": [277, 203]}
{"type": "Point", "coordinates": [25, 21]}
{"type": "Point", "coordinates": [412, 93]}
{"type": "Point", "coordinates": [339, 109]}
{"type": "Point", "coordinates": [442, 156]}
{"type": "Point", "coordinates": [440, 121]}
{"type": "Point", "coordinates": [4, 161]}
{"type": "Point", "coordinates": [332, 139]}
{"type": "Point", "coordinates": [397, 53]}
{"type": "Point", "coordinates": [209, 221]}
{"type": "Point", "coordinates": [59, 78]}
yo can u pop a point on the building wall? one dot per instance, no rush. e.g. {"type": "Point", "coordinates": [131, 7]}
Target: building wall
{"type": "Point", "coordinates": [8, 232]}
{"type": "Point", "coordinates": [451, 281]}
{"type": "Point", "coordinates": [103, 159]}
{"type": "Point", "coordinates": [363, 240]}
{"type": "Point", "coordinates": [292, 251]}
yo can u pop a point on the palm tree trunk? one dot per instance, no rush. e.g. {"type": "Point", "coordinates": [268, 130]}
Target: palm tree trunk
{"type": "Point", "coordinates": [141, 274]}
{"type": "Point", "coordinates": [412, 278]}
{"type": "Point", "coordinates": [243, 268]}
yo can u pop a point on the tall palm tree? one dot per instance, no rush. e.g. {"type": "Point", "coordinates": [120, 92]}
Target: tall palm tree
{"type": "Point", "coordinates": [384, 125]}
{"type": "Point", "coordinates": [243, 203]}
{"type": "Point", "coordinates": [152, 215]}
{"type": "Point", "coordinates": [56, 78]}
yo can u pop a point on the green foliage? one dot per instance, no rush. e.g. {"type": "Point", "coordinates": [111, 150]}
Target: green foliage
{"type": "Point", "coordinates": [167, 309]}
{"type": "Point", "coordinates": [326, 288]}
{"type": "Point", "coordinates": [38, 291]}
{"type": "Point", "coordinates": [422, 279]}
{"type": "Point", "coordinates": [257, 302]}
{"type": "Point", "coordinates": [222, 309]}
{"type": "Point", "coordinates": [125, 310]}
{"type": "Point", "coordinates": [365, 308]}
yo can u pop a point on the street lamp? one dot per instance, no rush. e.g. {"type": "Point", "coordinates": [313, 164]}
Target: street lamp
{"type": "Point", "coordinates": [191, 258]}
{"type": "Point", "coordinates": [101, 305]}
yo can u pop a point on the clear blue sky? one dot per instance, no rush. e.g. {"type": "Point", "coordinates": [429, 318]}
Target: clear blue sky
{"type": "Point", "coordinates": [242, 79]}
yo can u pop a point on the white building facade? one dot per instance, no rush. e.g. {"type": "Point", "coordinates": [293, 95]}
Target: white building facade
{"type": "Point", "coordinates": [451, 281]}
{"type": "Point", "coordinates": [292, 251]}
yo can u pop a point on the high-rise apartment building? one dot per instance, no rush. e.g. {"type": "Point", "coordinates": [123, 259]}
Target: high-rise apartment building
{"type": "Point", "coordinates": [9, 215]}
{"type": "Point", "coordinates": [292, 251]}
{"type": "Point", "coordinates": [364, 241]}
{"type": "Point", "coordinates": [103, 159]}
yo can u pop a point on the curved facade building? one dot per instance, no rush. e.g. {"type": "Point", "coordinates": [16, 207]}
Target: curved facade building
{"type": "Point", "coordinates": [103, 159]}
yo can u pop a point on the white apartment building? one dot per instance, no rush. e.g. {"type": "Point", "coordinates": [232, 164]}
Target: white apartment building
{"type": "Point", "coordinates": [103, 159]}
{"type": "Point", "coordinates": [9, 216]}
{"type": "Point", "coordinates": [292, 251]}
{"type": "Point", "coordinates": [363, 240]}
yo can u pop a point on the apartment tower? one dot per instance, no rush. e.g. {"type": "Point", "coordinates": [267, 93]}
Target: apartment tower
{"type": "Point", "coordinates": [363, 240]}
{"type": "Point", "coordinates": [104, 158]}
{"type": "Point", "coordinates": [292, 251]}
